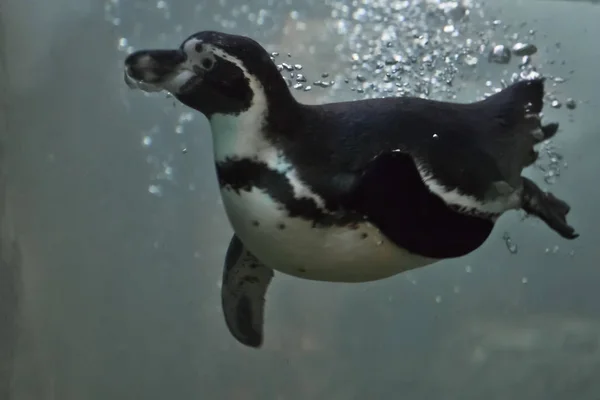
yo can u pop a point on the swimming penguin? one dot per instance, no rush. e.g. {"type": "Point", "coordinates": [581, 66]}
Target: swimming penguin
{"type": "Point", "coordinates": [351, 191]}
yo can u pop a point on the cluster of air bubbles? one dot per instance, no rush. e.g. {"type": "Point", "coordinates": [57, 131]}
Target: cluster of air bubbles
{"type": "Point", "coordinates": [161, 165]}
{"type": "Point", "coordinates": [553, 162]}
{"type": "Point", "coordinates": [400, 48]}
{"type": "Point", "coordinates": [162, 170]}
{"type": "Point", "coordinates": [428, 48]}
{"type": "Point", "coordinates": [297, 79]}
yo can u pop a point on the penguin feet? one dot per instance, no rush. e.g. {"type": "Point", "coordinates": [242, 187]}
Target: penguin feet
{"type": "Point", "coordinates": [548, 208]}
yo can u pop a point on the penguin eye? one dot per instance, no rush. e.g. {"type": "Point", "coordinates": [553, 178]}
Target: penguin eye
{"type": "Point", "coordinates": [207, 63]}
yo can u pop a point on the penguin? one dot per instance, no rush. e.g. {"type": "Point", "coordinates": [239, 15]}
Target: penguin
{"type": "Point", "coordinates": [351, 191]}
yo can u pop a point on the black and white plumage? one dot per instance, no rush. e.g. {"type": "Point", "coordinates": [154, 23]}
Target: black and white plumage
{"type": "Point", "coordinates": [350, 191]}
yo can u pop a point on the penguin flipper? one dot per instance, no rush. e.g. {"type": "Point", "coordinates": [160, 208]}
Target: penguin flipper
{"type": "Point", "coordinates": [245, 283]}
{"type": "Point", "coordinates": [548, 208]}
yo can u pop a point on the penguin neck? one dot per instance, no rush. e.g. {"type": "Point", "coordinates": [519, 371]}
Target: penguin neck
{"type": "Point", "coordinates": [252, 132]}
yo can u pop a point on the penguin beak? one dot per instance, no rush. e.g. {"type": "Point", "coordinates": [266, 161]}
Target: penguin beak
{"type": "Point", "coordinates": [156, 70]}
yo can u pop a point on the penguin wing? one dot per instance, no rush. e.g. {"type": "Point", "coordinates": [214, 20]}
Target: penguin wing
{"type": "Point", "coordinates": [392, 195]}
{"type": "Point", "coordinates": [245, 283]}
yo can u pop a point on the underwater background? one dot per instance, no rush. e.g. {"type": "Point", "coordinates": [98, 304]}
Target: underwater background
{"type": "Point", "coordinates": [112, 235]}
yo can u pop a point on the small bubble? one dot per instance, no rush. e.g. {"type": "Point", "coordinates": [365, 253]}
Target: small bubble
{"type": "Point", "coordinates": [556, 104]}
{"type": "Point", "coordinates": [456, 289]}
{"type": "Point", "coordinates": [470, 60]}
{"type": "Point", "coordinates": [155, 190]}
{"type": "Point", "coordinates": [179, 129]}
{"type": "Point", "coordinates": [360, 15]}
{"type": "Point", "coordinates": [185, 117]}
{"type": "Point", "coordinates": [468, 269]}
{"type": "Point", "coordinates": [512, 247]}
{"type": "Point", "coordinates": [122, 44]}
{"type": "Point", "coordinates": [528, 75]}
{"type": "Point", "coordinates": [147, 141]}
{"type": "Point", "coordinates": [571, 104]}
{"type": "Point", "coordinates": [499, 54]}
{"type": "Point", "coordinates": [524, 49]}
{"type": "Point", "coordinates": [435, 136]}
{"type": "Point", "coordinates": [322, 84]}
{"type": "Point", "coordinates": [524, 280]}
{"type": "Point", "coordinates": [449, 28]}
{"type": "Point", "coordinates": [161, 5]}
{"type": "Point", "coordinates": [438, 299]}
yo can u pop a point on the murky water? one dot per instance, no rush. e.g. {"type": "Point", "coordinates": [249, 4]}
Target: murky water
{"type": "Point", "coordinates": [113, 235]}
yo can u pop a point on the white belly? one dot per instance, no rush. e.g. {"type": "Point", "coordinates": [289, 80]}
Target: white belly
{"type": "Point", "coordinates": [294, 247]}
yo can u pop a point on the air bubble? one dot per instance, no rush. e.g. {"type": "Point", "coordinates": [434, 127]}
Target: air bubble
{"type": "Point", "coordinates": [510, 245]}
{"type": "Point", "coordinates": [122, 44]}
{"type": "Point", "coordinates": [155, 190]}
{"type": "Point", "coordinates": [499, 54]}
{"type": "Point", "coordinates": [470, 60]}
{"type": "Point", "coordinates": [524, 49]}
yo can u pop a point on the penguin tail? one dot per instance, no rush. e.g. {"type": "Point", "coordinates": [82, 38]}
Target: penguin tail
{"type": "Point", "coordinates": [520, 105]}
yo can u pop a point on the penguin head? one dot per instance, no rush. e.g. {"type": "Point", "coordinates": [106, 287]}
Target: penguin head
{"type": "Point", "coordinates": [211, 72]}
